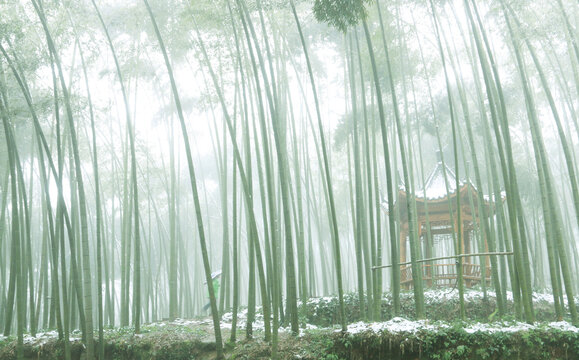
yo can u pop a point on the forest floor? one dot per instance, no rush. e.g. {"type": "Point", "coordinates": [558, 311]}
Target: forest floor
{"type": "Point", "coordinates": [482, 336]}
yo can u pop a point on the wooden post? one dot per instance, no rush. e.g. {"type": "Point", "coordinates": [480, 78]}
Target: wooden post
{"type": "Point", "coordinates": [425, 242]}
{"type": "Point", "coordinates": [466, 241]}
{"type": "Point", "coordinates": [403, 234]}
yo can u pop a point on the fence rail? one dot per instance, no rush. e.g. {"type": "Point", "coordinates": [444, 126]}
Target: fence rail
{"type": "Point", "coordinates": [444, 274]}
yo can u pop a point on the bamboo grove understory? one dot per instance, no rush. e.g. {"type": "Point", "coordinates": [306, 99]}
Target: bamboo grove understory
{"type": "Point", "coordinates": [149, 147]}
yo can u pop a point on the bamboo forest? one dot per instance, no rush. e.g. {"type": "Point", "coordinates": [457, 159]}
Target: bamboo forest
{"type": "Point", "coordinates": [289, 179]}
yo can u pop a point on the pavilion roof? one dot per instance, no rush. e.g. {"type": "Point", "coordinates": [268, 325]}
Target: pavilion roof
{"type": "Point", "coordinates": [435, 185]}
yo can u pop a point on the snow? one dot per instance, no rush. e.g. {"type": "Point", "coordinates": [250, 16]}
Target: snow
{"type": "Point", "coordinates": [540, 297]}
{"type": "Point", "coordinates": [400, 325]}
{"type": "Point", "coordinates": [394, 325]}
{"type": "Point", "coordinates": [563, 326]}
{"type": "Point", "coordinates": [42, 338]}
{"type": "Point", "coordinates": [318, 300]}
{"type": "Point", "coordinates": [519, 326]}
{"type": "Point", "coordinates": [397, 325]}
{"type": "Point", "coordinates": [500, 327]}
{"type": "Point", "coordinates": [435, 296]}
{"type": "Point", "coordinates": [182, 322]}
{"type": "Point", "coordinates": [227, 318]}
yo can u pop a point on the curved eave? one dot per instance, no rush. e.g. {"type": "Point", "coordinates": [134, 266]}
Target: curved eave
{"type": "Point", "coordinates": [402, 196]}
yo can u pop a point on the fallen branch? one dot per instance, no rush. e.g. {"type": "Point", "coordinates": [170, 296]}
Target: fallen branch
{"type": "Point", "coordinates": [445, 258]}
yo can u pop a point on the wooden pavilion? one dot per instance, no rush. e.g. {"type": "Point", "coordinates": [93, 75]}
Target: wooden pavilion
{"type": "Point", "coordinates": [436, 230]}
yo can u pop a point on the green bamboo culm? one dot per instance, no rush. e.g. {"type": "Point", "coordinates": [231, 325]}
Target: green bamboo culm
{"type": "Point", "coordinates": [417, 278]}
{"type": "Point", "coordinates": [246, 186]}
{"type": "Point", "coordinates": [327, 179]}
{"type": "Point", "coordinates": [16, 286]}
{"type": "Point", "coordinates": [412, 236]}
{"type": "Point", "coordinates": [499, 120]}
{"type": "Point", "coordinates": [542, 165]}
{"type": "Point", "coordinates": [195, 193]}
{"type": "Point", "coordinates": [87, 288]}
{"type": "Point", "coordinates": [457, 226]}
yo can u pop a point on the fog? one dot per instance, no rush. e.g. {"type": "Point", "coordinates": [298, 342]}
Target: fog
{"type": "Point", "coordinates": [164, 160]}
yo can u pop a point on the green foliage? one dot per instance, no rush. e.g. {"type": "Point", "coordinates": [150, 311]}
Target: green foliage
{"type": "Point", "coordinates": [324, 311]}
{"type": "Point", "coordinates": [320, 347]}
{"type": "Point", "coordinates": [170, 341]}
{"type": "Point", "coordinates": [340, 14]}
{"type": "Point", "coordinates": [455, 343]}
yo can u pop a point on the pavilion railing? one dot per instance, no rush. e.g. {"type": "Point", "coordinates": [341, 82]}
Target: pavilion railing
{"type": "Point", "coordinates": [444, 274]}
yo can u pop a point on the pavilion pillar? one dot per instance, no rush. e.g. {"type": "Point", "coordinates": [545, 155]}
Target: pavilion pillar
{"type": "Point", "coordinates": [403, 235]}
{"type": "Point", "coordinates": [487, 258]}
{"type": "Point", "coordinates": [467, 247]}
{"type": "Point", "coordinates": [426, 254]}
{"type": "Point", "coordinates": [485, 242]}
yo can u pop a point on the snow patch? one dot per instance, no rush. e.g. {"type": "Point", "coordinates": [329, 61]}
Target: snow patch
{"type": "Point", "coordinates": [434, 296]}
{"type": "Point", "coordinates": [563, 326]}
{"type": "Point", "coordinates": [492, 328]}
{"type": "Point", "coordinates": [227, 319]}
{"type": "Point", "coordinates": [400, 325]}
{"type": "Point", "coordinates": [540, 297]}
{"type": "Point", "coordinates": [44, 337]}
{"type": "Point", "coordinates": [324, 299]}
{"type": "Point", "coordinates": [182, 322]}
{"type": "Point", "coordinates": [395, 325]}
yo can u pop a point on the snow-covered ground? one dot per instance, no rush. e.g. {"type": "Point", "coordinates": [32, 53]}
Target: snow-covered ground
{"type": "Point", "coordinates": [395, 325]}
{"type": "Point", "coordinates": [433, 296]}
{"type": "Point", "coordinates": [400, 325]}
{"type": "Point", "coordinates": [445, 294]}
{"type": "Point", "coordinates": [42, 338]}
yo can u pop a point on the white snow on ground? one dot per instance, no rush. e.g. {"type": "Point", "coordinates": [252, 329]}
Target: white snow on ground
{"type": "Point", "coordinates": [395, 325]}
{"type": "Point", "coordinates": [563, 326]}
{"type": "Point", "coordinates": [324, 299]}
{"type": "Point", "coordinates": [227, 318]}
{"type": "Point", "coordinates": [434, 296]}
{"type": "Point", "coordinates": [492, 328]}
{"type": "Point", "coordinates": [183, 322]}
{"type": "Point", "coordinates": [444, 295]}
{"type": "Point", "coordinates": [540, 297]}
{"type": "Point", "coordinates": [518, 326]}
{"type": "Point", "coordinates": [401, 325]}
{"type": "Point", "coordinates": [43, 337]}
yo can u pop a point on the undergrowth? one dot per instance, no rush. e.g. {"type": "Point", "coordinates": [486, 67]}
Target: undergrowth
{"type": "Point", "coordinates": [194, 340]}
